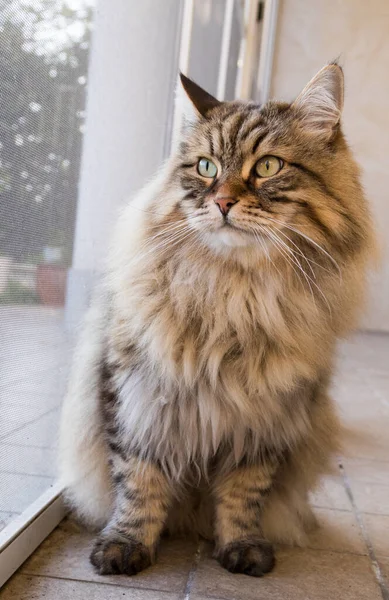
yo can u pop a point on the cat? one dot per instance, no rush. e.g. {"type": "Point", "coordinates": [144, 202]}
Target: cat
{"type": "Point", "coordinates": [199, 397]}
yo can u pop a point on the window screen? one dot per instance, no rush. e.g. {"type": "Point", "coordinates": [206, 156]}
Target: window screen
{"type": "Point", "coordinates": [43, 79]}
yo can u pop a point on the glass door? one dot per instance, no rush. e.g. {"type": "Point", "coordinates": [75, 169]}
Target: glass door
{"type": "Point", "coordinates": [43, 81]}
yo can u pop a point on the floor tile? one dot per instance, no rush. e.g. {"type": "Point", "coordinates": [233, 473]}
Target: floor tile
{"type": "Point", "coordinates": [377, 527]}
{"type": "Point", "coordinates": [299, 574]}
{"type": "Point", "coordinates": [66, 554]}
{"type": "Point", "coordinates": [350, 391]}
{"type": "Point", "coordinates": [371, 497]}
{"type": "Point", "coordinates": [367, 470]}
{"type": "Point", "coordinates": [366, 350]}
{"type": "Point", "coordinates": [24, 587]}
{"type": "Point", "coordinates": [380, 384]}
{"type": "Point", "coordinates": [357, 407]}
{"type": "Point", "coordinates": [331, 494]}
{"type": "Point", "coordinates": [338, 530]}
{"type": "Point", "coordinates": [364, 440]}
{"type": "Point", "coordinates": [18, 491]}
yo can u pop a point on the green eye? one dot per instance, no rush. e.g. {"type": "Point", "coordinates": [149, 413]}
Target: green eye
{"type": "Point", "coordinates": [206, 168]}
{"type": "Point", "coordinates": [268, 166]}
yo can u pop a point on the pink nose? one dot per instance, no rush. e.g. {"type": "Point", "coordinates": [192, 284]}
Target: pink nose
{"type": "Point", "coordinates": [224, 204]}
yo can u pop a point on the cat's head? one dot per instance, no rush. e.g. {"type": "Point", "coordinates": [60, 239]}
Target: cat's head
{"type": "Point", "coordinates": [258, 175]}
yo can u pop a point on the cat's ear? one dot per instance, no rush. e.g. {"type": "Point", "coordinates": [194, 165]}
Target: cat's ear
{"type": "Point", "coordinates": [320, 104]}
{"type": "Point", "coordinates": [193, 100]}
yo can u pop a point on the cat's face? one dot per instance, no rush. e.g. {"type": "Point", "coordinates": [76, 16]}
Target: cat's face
{"type": "Point", "coordinates": [257, 175]}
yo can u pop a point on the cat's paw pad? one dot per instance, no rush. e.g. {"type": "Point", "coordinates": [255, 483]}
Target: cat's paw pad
{"type": "Point", "coordinates": [116, 555]}
{"type": "Point", "coordinates": [253, 557]}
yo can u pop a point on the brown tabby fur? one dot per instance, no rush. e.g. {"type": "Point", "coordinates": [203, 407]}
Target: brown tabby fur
{"type": "Point", "coordinates": [199, 398]}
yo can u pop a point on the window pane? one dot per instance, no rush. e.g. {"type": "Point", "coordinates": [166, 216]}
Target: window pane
{"type": "Point", "coordinates": [43, 79]}
{"type": "Point", "coordinates": [233, 57]}
{"type": "Point", "coordinates": [207, 32]}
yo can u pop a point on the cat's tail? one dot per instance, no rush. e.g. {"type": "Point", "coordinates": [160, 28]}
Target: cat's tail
{"type": "Point", "coordinates": [83, 458]}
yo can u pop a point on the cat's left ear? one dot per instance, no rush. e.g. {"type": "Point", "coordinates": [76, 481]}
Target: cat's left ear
{"type": "Point", "coordinates": [193, 100]}
{"type": "Point", "coordinates": [320, 104]}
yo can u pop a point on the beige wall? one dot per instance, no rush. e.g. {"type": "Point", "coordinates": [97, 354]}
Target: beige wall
{"type": "Point", "coordinates": [313, 32]}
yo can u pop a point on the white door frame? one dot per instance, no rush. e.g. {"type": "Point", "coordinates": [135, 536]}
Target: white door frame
{"type": "Point", "coordinates": [23, 535]}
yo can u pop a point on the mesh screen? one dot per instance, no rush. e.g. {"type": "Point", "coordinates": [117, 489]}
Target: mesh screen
{"type": "Point", "coordinates": [43, 78]}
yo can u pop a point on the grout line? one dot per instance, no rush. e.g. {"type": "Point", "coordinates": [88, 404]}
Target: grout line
{"type": "Point", "coordinates": [343, 510]}
{"type": "Point", "coordinates": [327, 550]}
{"type": "Point", "coordinates": [374, 514]}
{"type": "Point", "coordinates": [192, 572]}
{"type": "Point", "coordinates": [375, 565]}
{"type": "Point", "coordinates": [26, 572]}
{"type": "Point", "coordinates": [211, 597]}
{"type": "Point", "coordinates": [334, 551]}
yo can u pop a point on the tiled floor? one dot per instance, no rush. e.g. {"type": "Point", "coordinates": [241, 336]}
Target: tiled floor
{"type": "Point", "coordinates": [347, 558]}
{"type": "Point", "coordinates": [34, 358]}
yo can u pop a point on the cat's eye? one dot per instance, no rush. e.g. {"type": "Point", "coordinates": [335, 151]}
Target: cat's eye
{"type": "Point", "coordinates": [268, 166]}
{"type": "Point", "coordinates": [206, 168]}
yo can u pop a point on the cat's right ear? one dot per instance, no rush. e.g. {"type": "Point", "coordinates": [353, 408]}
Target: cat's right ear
{"type": "Point", "coordinates": [320, 104]}
{"type": "Point", "coordinates": [193, 101]}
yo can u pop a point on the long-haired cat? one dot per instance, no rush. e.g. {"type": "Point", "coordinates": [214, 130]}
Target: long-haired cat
{"type": "Point", "coordinates": [199, 394]}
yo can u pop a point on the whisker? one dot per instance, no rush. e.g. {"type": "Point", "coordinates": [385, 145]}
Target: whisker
{"type": "Point", "coordinates": [307, 277]}
{"type": "Point", "coordinates": [309, 260]}
{"type": "Point", "coordinates": [171, 224]}
{"type": "Point", "coordinates": [263, 245]}
{"type": "Point", "coordinates": [276, 242]}
{"type": "Point", "coordinates": [306, 237]}
{"type": "Point", "coordinates": [168, 230]}
{"type": "Point", "coordinates": [157, 250]}
{"type": "Point", "coordinates": [149, 212]}
{"type": "Point", "coordinates": [300, 252]}
{"type": "Point", "coordinates": [311, 280]}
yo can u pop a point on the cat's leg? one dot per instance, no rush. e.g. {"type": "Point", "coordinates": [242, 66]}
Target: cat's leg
{"type": "Point", "coordinates": [239, 499]}
{"type": "Point", "coordinates": [143, 496]}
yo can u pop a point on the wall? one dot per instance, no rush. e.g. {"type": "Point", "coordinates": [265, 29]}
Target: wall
{"type": "Point", "coordinates": [313, 32]}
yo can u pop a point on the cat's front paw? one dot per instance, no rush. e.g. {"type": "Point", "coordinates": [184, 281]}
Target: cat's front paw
{"type": "Point", "coordinates": [253, 557]}
{"type": "Point", "coordinates": [113, 555]}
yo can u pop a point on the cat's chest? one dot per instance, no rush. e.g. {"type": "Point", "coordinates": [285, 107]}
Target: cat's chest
{"type": "Point", "coordinates": [192, 325]}
{"type": "Point", "coordinates": [239, 311]}
{"type": "Point", "coordinates": [228, 323]}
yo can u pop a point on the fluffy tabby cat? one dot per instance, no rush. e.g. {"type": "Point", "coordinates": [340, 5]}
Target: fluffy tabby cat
{"type": "Point", "coordinates": [199, 395]}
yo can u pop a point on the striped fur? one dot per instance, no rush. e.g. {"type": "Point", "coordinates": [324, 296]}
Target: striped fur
{"type": "Point", "coordinates": [199, 399]}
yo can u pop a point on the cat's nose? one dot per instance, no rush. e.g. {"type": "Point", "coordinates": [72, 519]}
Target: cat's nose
{"type": "Point", "coordinates": [224, 203]}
